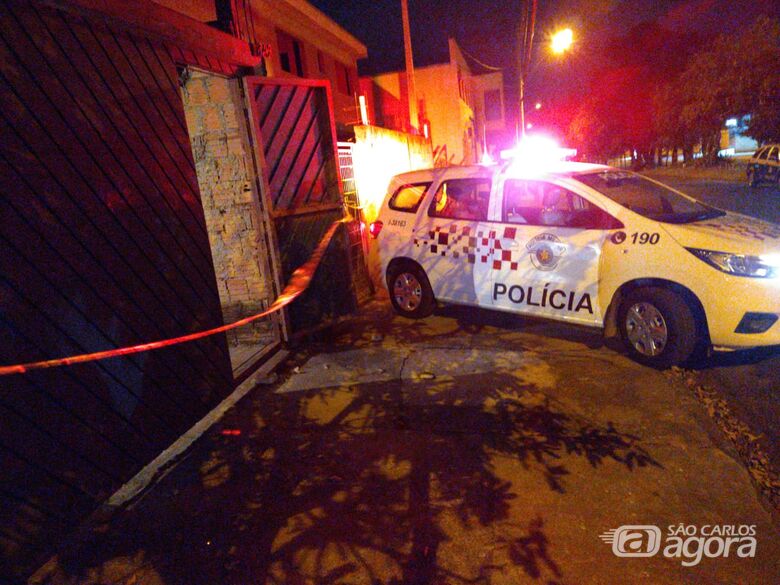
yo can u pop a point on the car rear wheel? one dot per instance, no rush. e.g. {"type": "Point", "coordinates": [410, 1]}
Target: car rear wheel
{"type": "Point", "coordinates": [410, 291]}
{"type": "Point", "coordinates": [658, 327]}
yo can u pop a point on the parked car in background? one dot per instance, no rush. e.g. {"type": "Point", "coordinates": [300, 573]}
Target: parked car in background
{"type": "Point", "coordinates": [764, 165]}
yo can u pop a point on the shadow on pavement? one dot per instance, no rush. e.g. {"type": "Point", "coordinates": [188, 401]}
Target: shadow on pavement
{"type": "Point", "coordinates": [458, 322]}
{"type": "Point", "coordinates": [384, 484]}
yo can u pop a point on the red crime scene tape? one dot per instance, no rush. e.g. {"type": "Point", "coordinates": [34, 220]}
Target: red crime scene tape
{"type": "Point", "coordinates": [299, 282]}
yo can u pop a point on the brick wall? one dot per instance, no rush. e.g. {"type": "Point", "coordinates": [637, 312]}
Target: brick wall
{"type": "Point", "coordinates": [224, 176]}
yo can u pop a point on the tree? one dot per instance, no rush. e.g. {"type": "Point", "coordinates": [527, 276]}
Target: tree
{"type": "Point", "coordinates": [737, 75]}
{"type": "Point", "coordinates": [615, 117]}
{"type": "Point", "coordinates": [669, 129]}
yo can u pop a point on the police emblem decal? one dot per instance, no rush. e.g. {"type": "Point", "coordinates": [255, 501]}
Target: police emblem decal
{"type": "Point", "coordinates": [545, 251]}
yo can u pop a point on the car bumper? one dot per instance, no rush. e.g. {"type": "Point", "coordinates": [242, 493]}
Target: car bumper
{"type": "Point", "coordinates": [744, 313]}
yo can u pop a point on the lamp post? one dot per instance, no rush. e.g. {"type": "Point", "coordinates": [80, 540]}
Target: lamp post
{"type": "Point", "coordinates": [560, 42]}
{"type": "Point", "coordinates": [525, 43]}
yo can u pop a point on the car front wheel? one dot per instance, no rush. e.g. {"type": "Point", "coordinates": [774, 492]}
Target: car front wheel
{"type": "Point", "coordinates": [658, 327]}
{"type": "Point", "coordinates": [410, 291]}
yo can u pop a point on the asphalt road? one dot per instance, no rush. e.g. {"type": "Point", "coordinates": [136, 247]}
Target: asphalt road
{"type": "Point", "coordinates": [748, 381]}
{"type": "Point", "coordinates": [762, 202]}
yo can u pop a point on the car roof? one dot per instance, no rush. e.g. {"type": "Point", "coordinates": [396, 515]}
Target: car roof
{"type": "Point", "coordinates": [455, 171]}
{"type": "Point", "coordinates": [464, 171]}
{"type": "Point", "coordinates": [566, 168]}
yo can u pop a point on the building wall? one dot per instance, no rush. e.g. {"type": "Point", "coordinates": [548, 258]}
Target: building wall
{"type": "Point", "coordinates": [437, 90]}
{"type": "Point", "coordinates": [238, 244]}
{"type": "Point", "coordinates": [270, 26]}
{"type": "Point", "coordinates": [104, 245]}
{"type": "Point", "coordinates": [386, 100]}
{"type": "Point", "coordinates": [202, 10]}
{"type": "Point", "coordinates": [437, 96]}
{"type": "Point", "coordinates": [448, 95]}
{"type": "Point", "coordinates": [378, 155]}
{"type": "Point", "coordinates": [492, 132]}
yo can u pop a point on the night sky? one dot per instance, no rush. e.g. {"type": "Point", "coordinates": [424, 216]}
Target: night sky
{"type": "Point", "coordinates": [487, 29]}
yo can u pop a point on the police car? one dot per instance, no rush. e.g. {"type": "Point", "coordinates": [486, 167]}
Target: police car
{"type": "Point", "coordinates": [586, 244]}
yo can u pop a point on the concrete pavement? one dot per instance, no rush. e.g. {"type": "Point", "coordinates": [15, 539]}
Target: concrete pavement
{"type": "Point", "coordinates": [470, 447]}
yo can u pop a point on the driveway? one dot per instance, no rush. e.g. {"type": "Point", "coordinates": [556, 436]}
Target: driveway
{"type": "Point", "coordinates": [469, 447]}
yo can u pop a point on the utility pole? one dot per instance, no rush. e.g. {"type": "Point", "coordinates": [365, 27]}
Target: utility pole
{"type": "Point", "coordinates": [525, 44]}
{"type": "Point", "coordinates": [410, 89]}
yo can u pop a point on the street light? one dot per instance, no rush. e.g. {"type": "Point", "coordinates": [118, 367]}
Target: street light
{"type": "Point", "coordinates": [560, 42]}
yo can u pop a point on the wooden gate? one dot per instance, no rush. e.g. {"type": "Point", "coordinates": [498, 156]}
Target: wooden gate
{"type": "Point", "coordinates": [294, 133]}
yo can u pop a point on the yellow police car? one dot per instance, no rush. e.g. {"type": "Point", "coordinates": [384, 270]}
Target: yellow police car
{"type": "Point", "coordinates": [582, 243]}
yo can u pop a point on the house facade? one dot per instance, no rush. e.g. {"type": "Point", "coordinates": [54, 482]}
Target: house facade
{"type": "Point", "coordinates": [461, 111]}
{"type": "Point", "coordinates": [293, 39]}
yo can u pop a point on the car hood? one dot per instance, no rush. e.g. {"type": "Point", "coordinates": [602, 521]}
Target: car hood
{"type": "Point", "coordinates": [733, 232]}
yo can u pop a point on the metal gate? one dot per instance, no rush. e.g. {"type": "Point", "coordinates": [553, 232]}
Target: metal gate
{"type": "Point", "coordinates": [358, 244]}
{"type": "Point", "coordinates": [295, 146]}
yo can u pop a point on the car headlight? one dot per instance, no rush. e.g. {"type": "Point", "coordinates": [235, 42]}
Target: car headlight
{"type": "Point", "coordinates": [738, 264]}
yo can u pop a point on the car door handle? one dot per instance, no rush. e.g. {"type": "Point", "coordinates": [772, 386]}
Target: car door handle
{"type": "Point", "coordinates": [514, 245]}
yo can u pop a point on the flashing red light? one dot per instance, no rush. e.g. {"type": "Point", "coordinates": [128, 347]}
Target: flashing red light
{"type": "Point", "coordinates": [362, 226]}
{"type": "Point", "coordinates": [375, 228]}
{"type": "Point", "coordinates": [231, 432]}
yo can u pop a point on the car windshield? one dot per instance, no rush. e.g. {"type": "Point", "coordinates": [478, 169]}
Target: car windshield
{"type": "Point", "coordinates": [647, 198]}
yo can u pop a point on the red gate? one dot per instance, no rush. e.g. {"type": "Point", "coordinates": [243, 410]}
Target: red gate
{"type": "Point", "coordinates": [295, 147]}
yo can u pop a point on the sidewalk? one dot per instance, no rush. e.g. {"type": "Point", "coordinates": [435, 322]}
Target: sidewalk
{"type": "Point", "coordinates": [469, 447]}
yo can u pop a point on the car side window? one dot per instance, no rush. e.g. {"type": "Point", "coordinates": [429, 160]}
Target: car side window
{"type": "Point", "coordinates": [408, 197]}
{"type": "Point", "coordinates": [545, 204]}
{"type": "Point", "coordinates": [461, 199]}
{"type": "Point", "coordinates": [763, 154]}
{"type": "Point", "coordinates": [773, 154]}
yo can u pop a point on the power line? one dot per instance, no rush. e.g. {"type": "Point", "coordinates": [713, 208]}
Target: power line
{"type": "Point", "coordinates": [480, 63]}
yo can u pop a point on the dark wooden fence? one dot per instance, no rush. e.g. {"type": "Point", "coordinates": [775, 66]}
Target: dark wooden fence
{"type": "Point", "coordinates": [102, 243]}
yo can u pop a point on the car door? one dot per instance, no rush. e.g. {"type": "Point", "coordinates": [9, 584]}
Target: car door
{"type": "Point", "coordinates": [759, 164]}
{"type": "Point", "coordinates": [546, 258]}
{"type": "Point", "coordinates": [448, 236]}
{"type": "Point", "coordinates": [772, 164]}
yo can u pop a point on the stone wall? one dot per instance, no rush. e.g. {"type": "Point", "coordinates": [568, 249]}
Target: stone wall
{"type": "Point", "coordinates": [224, 171]}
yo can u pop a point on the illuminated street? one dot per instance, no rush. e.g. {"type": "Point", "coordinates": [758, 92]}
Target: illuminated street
{"type": "Point", "coordinates": [399, 292]}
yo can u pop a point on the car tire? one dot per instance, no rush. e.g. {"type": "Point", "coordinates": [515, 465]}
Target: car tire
{"type": "Point", "coordinates": [410, 291]}
{"type": "Point", "coordinates": [658, 327]}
